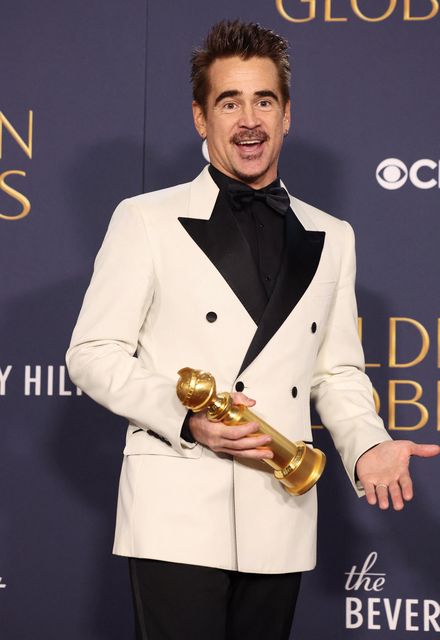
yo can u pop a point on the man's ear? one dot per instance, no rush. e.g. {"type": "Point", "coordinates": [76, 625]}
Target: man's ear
{"type": "Point", "coordinates": [199, 119]}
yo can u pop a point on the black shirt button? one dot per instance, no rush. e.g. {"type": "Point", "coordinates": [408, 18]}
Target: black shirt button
{"type": "Point", "coordinates": [268, 278]}
{"type": "Point", "coordinates": [211, 316]}
{"type": "Point", "coordinates": [314, 327]}
{"type": "Point", "coordinates": [239, 386]}
{"type": "Point", "coordinates": [294, 392]}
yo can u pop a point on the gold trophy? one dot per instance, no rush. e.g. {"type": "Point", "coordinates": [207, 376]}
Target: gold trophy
{"type": "Point", "coordinates": [296, 466]}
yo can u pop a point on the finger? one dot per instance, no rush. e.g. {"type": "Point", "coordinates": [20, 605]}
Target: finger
{"type": "Point", "coordinates": [396, 495]}
{"type": "Point", "coordinates": [382, 496]}
{"type": "Point", "coordinates": [256, 454]}
{"type": "Point", "coordinates": [407, 487]}
{"type": "Point", "coordinates": [370, 493]}
{"type": "Point", "coordinates": [245, 443]}
{"type": "Point", "coordinates": [241, 398]}
{"type": "Point", "coordinates": [425, 450]}
{"type": "Point", "coordinates": [240, 431]}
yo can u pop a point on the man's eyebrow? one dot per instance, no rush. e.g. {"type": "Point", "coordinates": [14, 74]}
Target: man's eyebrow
{"type": "Point", "coordinates": [231, 93]}
{"type": "Point", "coordinates": [267, 93]}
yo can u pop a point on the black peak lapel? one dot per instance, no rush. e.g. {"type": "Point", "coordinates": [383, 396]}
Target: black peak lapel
{"type": "Point", "coordinates": [220, 239]}
{"type": "Point", "coordinates": [300, 262]}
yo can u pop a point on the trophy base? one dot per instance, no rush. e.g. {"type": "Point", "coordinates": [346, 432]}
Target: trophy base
{"type": "Point", "coordinates": [303, 470]}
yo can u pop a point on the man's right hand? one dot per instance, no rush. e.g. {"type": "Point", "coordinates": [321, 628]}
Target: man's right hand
{"type": "Point", "coordinates": [240, 441]}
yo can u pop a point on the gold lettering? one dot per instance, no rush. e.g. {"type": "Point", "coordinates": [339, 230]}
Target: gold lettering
{"type": "Point", "coordinates": [392, 402]}
{"type": "Point", "coordinates": [424, 348]}
{"type": "Point", "coordinates": [328, 13]}
{"type": "Point", "coordinates": [438, 405]}
{"type": "Point", "coordinates": [360, 333]}
{"type": "Point", "coordinates": [27, 148]}
{"type": "Point", "coordinates": [407, 11]}
{"type": "Point", "coordinates": [355, 6]}
{"type": "Point", "coordinates": [438, 343]}
{"type": "Point", "coordinates": [312, 11]}
{"type": "Point", "coordinates": [14, 194]}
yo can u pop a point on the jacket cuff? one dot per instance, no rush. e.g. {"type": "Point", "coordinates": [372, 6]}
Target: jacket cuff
{"type": "Point", "coordinates": [185, 432]}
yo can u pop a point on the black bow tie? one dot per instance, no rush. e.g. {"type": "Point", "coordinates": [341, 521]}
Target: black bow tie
{"type": "Point", "coordinates": [275, 197]}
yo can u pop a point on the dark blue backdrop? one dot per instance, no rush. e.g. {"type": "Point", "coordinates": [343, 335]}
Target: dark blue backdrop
{"type": "Point", "coordinates": [108, 87]}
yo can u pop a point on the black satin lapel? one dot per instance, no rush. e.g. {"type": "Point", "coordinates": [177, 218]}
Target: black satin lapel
{"type": "Point", "coordinates": [300, 262]}
{"type": "Point", "coordinates": [222, 242]}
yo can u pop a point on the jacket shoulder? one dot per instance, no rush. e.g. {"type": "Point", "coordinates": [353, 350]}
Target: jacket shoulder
{"type": "Point", "coordinates": [318, 218]}
{"type": "Point", "coordinates": [162, 199]}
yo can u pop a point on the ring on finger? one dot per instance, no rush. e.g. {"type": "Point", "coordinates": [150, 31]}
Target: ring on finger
{"type": "Point", "coordinates": [381, 485]}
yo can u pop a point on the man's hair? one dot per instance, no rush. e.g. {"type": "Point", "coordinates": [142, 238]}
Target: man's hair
{"type": "Point", "coordinates": [246, 40]}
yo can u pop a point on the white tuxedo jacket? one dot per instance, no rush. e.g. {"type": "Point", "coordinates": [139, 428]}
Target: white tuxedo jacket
{"type": "Point", "coordinates": [165, 263]}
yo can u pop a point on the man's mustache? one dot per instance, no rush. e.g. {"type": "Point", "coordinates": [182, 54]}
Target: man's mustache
{"type": "Point", "coordinates": [244, 136]}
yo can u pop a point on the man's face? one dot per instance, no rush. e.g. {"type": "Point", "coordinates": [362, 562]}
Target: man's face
{"type": "Point", "coordinates": [245, 119]}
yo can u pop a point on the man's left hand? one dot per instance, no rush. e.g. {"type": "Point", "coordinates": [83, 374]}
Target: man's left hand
{"type": "Point", "coordinates": [383, 471]}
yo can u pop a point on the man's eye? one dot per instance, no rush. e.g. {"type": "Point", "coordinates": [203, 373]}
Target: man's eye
{"type": "Point", "coordinates": [229, 106]}
{"type": "Point", "coordinates": [265, 104]}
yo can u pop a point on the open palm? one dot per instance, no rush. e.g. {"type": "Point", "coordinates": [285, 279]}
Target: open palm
{"type": "Point", "coordinates": [383, 471]}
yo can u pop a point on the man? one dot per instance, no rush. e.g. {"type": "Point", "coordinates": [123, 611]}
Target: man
{"type": "Point", "coordinates": [230, 275]}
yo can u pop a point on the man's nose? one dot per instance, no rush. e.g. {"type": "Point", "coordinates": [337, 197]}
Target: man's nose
{"type": "Point", "coordinates": [249, 117]}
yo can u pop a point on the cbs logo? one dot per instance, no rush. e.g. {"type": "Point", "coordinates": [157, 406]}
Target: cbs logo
{"type": "Point", "coordinates": [392, 174]}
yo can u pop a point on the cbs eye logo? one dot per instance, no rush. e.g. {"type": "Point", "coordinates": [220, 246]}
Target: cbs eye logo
{"type": "Point", "coordinates": [392, 174]}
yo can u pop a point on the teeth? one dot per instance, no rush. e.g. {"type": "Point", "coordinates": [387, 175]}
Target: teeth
{"type": "Point", "coordinates": [250, 142]}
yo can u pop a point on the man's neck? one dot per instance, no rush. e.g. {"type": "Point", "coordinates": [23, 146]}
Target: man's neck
{"type": "Point", "coordinates": [223, 180]}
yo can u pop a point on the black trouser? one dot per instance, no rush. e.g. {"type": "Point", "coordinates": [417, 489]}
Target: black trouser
{"type": "Point", "coordinates": [185, 602]}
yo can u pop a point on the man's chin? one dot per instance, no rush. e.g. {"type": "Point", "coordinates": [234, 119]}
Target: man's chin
{"type": "Point", "coordinates": [251, 177]}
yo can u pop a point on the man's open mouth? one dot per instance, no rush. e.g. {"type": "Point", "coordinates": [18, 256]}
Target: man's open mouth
{"type": "Point", "coordinates": [249, 146]}
{"type": "Point", "coordinates": [249, 143]}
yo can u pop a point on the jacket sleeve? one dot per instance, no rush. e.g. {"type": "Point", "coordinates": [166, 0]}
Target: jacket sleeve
{"type": "Point", "coordinates": [341, 390]}
{"type": "Point", "coordinates": [101, 358]}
